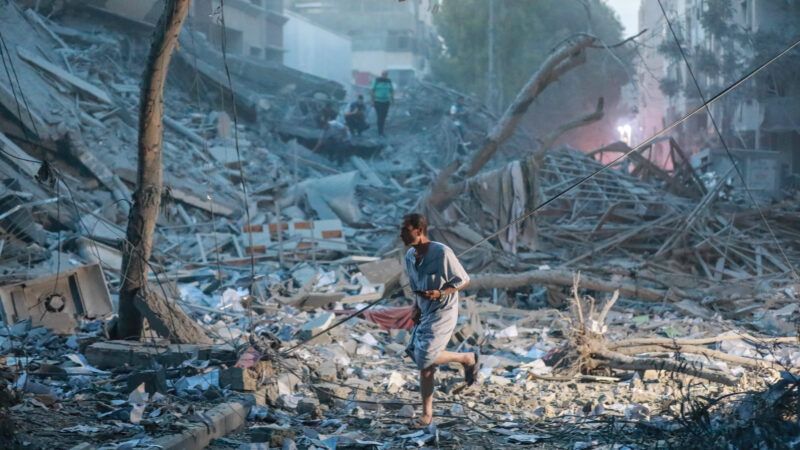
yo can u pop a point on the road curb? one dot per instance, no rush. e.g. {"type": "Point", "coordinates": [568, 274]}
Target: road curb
{"type": "Point", "coordinates": [218, 421]}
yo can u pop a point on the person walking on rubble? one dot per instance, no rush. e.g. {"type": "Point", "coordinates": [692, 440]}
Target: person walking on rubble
{"type": "Point", "coordinates": [382, 93]}
{"type": "Point", "coordinates": [435, 275]}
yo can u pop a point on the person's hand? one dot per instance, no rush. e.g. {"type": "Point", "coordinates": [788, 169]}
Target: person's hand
{"type": "Point", "coordinates": [433, 295]}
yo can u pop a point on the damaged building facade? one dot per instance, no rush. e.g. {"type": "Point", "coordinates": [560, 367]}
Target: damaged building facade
{"type": "Point", "coordinates": [762, 130]}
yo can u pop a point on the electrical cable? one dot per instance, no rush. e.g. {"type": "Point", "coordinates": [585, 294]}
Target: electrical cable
{"type": "Point", "coordinates": [19, 87]}
{"type": "Point", "coordinates": [236, 146]}
{"type": "Point", "coordinates": [725, 144]}
{"type": "Point", "coordinates": [582, 180]}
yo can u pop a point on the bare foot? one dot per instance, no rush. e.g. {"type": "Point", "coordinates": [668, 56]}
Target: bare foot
{"type": "Point", "coordinates": [422, 422]}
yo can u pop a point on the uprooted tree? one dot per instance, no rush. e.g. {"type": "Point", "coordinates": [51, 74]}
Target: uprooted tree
{"type": "Point", "coordinates": [569, 55]}
{"type": "Point", "coordinates": [588, 349]}
{"type": "Point", "coordinates": [136, 301]}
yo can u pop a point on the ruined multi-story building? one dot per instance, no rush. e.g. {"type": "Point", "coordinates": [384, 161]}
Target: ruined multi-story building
{"type": "Point", "coordinates": [762, 118]}
{"type": "Point", "coordinates": [253, 28]}
{"type": "Point", "coordinates": [386, 35]}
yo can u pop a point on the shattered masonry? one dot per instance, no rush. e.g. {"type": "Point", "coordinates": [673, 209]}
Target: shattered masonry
{"type": "Point", "coordinates": [687, 273]}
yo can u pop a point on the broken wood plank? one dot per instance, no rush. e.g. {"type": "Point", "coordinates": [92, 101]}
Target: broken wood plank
{"type": "Point", "coordinates": [61, 74]}
{"type": "Point", "coordinates": [186, 197]}
{"type": "Point", "coordinates": [176, 126]}
{"type": "Point", "coordinates": [759, 262]}
{"type": "Point", "coordinates": [79, 149]}
{"type": "Point", "coordinates": [366, 171]}
{"type": "Point", "coordinates": [206, 205]}
{"type": "Point", "coordinates": [37, 20]}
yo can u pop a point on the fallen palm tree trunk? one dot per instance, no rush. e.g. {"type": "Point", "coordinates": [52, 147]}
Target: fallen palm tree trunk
{"type": "Point", "coordinates": [625, 362]}
{"type": "Point", "coordinates": [625, 286]}
{"type": "Point", "coordinates": [704, 341]}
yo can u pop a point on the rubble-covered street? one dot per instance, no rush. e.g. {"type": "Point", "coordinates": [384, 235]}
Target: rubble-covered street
{"type": "Point", "coordinates": [638, 293]}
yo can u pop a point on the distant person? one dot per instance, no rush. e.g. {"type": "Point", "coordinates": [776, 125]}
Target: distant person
{"type": "Point", "coordinates": [382, 93]}
{"type": "Point", "coordinates": [356, 116]}
{"type": "Point", "coordinates": [334, 141]}
{"type": "Point", "coordinates": [458, 114]}
{"type": "Point", "coordinates": [326, 114]}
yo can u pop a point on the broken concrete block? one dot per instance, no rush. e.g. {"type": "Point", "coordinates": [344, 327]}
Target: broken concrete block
{"type": "Point", "coordinates": [407, 411]}
{"type": "Point", "coordinates": [327, 371]}
{"type": "Point", "coordinates": [288, 401]}
{"type": "Point", "coordinates": [287, 382]}
{"type": "Point", "coordinates": [384, 271]}
{"type": "Point", "coordinates": [115, 354]}
{"type": "Point", "coordinates": [154, 381]}
{"type": "Point", "coordinates": [329, 393]}
{"type": "Point", "coordinates": [333, 197]}
{"type": "Point", "coordinates": [309, 406]}
{"type": "Point", "coordinates": [350, 346]}
{"type": "Point", "coordinates": [316, 325]}
{"type": "Point", "coordinates": [272, 434]}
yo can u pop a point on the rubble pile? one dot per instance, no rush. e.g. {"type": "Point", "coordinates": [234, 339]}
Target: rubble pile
{"type": "Point", "coordinates": [267, 269]}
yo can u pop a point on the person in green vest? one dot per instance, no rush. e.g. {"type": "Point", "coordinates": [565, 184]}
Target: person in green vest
{"type": "Point", "coordinates": [382, 97]}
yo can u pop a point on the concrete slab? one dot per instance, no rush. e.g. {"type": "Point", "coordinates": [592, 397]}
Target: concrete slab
{"type": "Point", "coordinates": [218, 421]}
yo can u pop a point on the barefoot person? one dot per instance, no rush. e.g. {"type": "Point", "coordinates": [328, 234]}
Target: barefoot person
{"type": "Point", "coordinates": [435, 276]}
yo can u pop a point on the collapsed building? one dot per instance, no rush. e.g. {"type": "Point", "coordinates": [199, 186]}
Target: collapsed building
{"type": "Point", "coordinates": [265, 270]}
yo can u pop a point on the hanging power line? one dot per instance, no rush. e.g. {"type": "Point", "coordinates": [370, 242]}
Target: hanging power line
{"type": "Point", "coordinates": [723, 141]}
{"type": "Point", "coordinates": [579, 182]}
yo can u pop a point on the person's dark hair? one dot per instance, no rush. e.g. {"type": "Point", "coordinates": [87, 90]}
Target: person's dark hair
{"type": "Point", "coordinates": [360, 97]}
{"type": "Point", "coordinates": [417, 221]}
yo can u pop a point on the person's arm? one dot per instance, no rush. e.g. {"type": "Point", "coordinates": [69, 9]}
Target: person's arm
{"type": "Point", "coordinates": [391, 91]}
{"type": "Point", "coordinates": [372, 91]}
{"type": "Point", "coordinates": [456, 278]}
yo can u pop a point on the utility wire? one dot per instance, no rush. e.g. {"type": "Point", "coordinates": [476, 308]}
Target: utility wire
{"type": "Point", "coordinates": [19, 87]}
{"type": "Point", "coordinates": [236, 145]}
{"type": "Point", "coordinates": [724, 143]}
{"type": "Point", "coordinates": [521, 218]}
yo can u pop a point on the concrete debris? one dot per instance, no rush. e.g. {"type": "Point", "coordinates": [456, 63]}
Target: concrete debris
{"type": "Point", "coordinates": [313, 238]}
